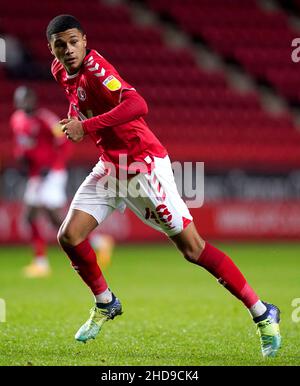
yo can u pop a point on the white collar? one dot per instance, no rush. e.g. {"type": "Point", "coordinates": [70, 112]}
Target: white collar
{"type": "Point", "coordinates": [73, 75]}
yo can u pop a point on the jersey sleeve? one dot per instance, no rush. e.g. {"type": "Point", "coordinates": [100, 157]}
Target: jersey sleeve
{"type": "Point", "coordinates": [132, 107]}
{"type": "Point", "coordinates": [105, 80]}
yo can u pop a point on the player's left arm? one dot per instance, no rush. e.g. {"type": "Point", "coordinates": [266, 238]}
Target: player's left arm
{"type": "Point", "coordinates": [128, 104]}
{"type": "Point", "coordinates": [131, 107]}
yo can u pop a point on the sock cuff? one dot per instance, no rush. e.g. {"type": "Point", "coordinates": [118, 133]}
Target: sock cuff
{"type": "Point", "coordinates": [261, 317]}
{"type": "Point", "coordinates": [107, 305]}
{"type": "Point", "coordinates": [82, 248]}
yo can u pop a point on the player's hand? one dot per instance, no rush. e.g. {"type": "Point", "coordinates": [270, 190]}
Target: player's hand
{"type": "Point", "coordinates": [73, 129]}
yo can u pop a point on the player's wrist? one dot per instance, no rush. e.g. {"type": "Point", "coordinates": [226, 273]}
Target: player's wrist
{"type": "Point", "coordinates": [85, 127]}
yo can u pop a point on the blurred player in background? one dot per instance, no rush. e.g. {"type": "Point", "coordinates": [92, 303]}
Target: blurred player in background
{"type": "Point", "coordinates": [115, 122]}
{"type": "Point", "coordinates": [41, 152]}
{"type": "Point", "coordinates": [104, 245]}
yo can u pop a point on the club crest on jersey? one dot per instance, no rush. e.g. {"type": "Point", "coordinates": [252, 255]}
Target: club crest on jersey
{"type": "Point", "coordinates": [81, 94]}
{"type": "Point", "coordinates": [112, 83]}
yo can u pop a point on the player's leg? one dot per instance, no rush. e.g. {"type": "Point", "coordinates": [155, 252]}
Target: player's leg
{"type": "Point", "coordinates": [43, 194]}
{"type": "Point", "coordinates": [89, 208]}
{"type": "Point", "coordinates": [38, 241]}
{"type": "Point", "coordinates": [170, 215]}
{"type": "Point", "coordinates": [53, 195]}
{"type": "Point", "coordinates": [201, 253]}
{"type": "Point", "coordinates": [267, 316]}
{"type": "Point", "coordinates": [163, 209]}
{"type": "Point", "coordinates": [73, 238]}
{"type": "Point", "coordinates": [39, 266]}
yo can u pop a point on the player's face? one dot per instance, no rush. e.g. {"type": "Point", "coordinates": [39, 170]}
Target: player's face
{"type": "Point", "coordinates": [69, 47]}
{"type": "Point", "coordinates": [25, 99]}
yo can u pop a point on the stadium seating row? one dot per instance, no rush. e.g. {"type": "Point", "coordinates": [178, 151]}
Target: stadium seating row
{"type": "Point", "coordinates": [244, 32]}
{"type": "Point", "coordinates": [196, 113]}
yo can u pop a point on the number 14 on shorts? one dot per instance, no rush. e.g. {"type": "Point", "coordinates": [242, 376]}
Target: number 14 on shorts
{"type": "Point", "coordinates": [160, 215]}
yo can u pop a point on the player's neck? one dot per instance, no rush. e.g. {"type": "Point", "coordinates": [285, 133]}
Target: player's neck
{"type": "Point", "coordinates": [73, 73]}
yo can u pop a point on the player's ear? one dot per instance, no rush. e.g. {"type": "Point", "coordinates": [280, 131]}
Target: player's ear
{"type": "Point", "coordinates": [50, 48]}
{"type": "Point", "coordinates": [84, 40]}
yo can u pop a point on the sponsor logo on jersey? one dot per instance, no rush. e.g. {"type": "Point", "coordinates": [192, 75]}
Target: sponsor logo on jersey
{"type": "Point", "coordinates": [81, 94]}
{"type": "Point", "coordinates": [112, 83]}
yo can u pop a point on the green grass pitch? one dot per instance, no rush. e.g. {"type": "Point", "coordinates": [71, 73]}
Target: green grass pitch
{"type": "Point", "coordinates": [174, 312]}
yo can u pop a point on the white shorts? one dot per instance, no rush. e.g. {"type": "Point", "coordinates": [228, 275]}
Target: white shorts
{"type": "Point", "coordinates": [154, 197]}
{"type": "Point", "coordinates": [48, 191]}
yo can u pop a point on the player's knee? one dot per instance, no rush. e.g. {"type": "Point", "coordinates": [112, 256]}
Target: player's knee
{"type": "Point", "coordinates": [61, 237]}
{"type": "Point", "coordinates": [192, 254]}
{"type": "Point", "coordinates": [189, 243]}
{"type": "Point", "coordinates": [67, 236]}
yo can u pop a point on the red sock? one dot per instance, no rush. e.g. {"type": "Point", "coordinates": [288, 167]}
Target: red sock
{"type": "Point", "coordinates": [38, 242]}
{"type": "Point", "coordinates": [227, 273]}
{"type": "Point", "coordinates": [84, 261]}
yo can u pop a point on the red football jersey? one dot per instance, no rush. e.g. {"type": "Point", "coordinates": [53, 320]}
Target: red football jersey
{"type": "Point", "coordinates": [36, 141]}
{"type": "Point", "coordinates": [96, 89]}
